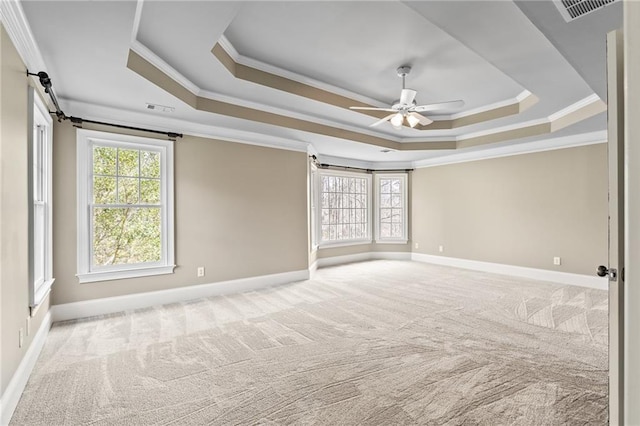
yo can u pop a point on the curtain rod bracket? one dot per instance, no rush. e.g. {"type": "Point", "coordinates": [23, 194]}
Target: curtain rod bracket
{"type": "Point", "coordinates": [45, 81]}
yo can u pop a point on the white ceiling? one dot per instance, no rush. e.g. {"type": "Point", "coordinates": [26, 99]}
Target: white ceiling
{"type": "Point", "coordinates": [484, 52]}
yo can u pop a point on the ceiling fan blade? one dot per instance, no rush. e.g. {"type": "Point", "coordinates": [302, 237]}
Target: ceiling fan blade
{"type": "Point", "coordinates": [421, 118]}
{"type": "Point", "coordinates": [407, 96]}
{"type": "Point", "coordinates": [387, 118]}
{"type": "Point", "coordinates": [439, 105]}
{"type": "Point", "coordinates": [372, 109]}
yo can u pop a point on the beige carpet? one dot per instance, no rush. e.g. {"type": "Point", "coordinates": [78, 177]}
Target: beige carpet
{"type": "Point", "coordinates": [375, 343]}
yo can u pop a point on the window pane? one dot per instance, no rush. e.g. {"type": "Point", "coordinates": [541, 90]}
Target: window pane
{"type": "Point", "coordinates": [325, 232]}
{"type": "Point", "coordinates": [149, 164]}
{"type": "Point", "coordinates": [128, 190]}
{"type": "Point", "coordinates": [39, 218]}
{"type": "Point", "coordinates": [396, 215]}
{"type": "Point", "coordinates": [126, 236]}
{"type": "Point", "coordinates": [128, 164]}
{"type": "Point", "coordinates": [104, 160]}
{"type": "Point", "coordinates": [385, 186]}
{"type": "Point", "coordinates": [104, 190]}
{"type": "Point", "coordinates": [385, 230]}
{"type": "Point", "coordinates": [395, 186]}
{"type": "Point", "coordinates": [343, 205]}
{"type": "Point", "coordinates": [150, 191]}
{"type": "Point", "coordinates": [392, 208]}
{"type": "Point", "coordinates": [385, 215]}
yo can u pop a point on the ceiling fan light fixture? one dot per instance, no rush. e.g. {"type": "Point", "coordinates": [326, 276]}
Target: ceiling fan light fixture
{"type": "Point", "coordinates": [396, 120]}
{"type": "Point", "coordinates": [413, 121]}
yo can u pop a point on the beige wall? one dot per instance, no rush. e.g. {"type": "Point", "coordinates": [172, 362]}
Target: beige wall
{"type": "Point", "coordinates": [14, 235]}
{"type": "Point", "coordinates": [361, 248]}
{"type": "Point", "coordinates": [520, 210]}
{"type": "Point", "coordinates": [240, 211]}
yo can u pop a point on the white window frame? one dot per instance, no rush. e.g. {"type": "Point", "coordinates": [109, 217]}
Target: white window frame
{"type": "Point", "coordinates": [40, 144]}
{"type": "Point", "coordinates": [329, 244]}
{"type": "Point", "coordinates": [313, 204]}
{"type": "Point", "coordinates": [405, 225]}
{"type": "Point", "coordinates": [86, 140]}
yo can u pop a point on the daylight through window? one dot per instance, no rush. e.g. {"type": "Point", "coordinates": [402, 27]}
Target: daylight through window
{"type": "Point", "coordinates": [344, 207]}
{"type": "Point", "coordinates": [40, 215]}
{"type": "Point", "coordinates": [128, 207]}
{"type": "Point", "coordinates": [391, 207]}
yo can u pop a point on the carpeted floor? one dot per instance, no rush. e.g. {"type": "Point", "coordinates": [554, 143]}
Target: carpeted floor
{"type": "Point", "coordinates": [374, 343]}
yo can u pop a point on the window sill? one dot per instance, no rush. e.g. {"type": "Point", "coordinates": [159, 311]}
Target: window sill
{"type": "Point", "coordinates": [41, 293]}
{"type": "Point", "coordinates": [392, 241]}
{"type": "Point", "coordinates": [91, 277]}
{"type": "Point", "coordinates": [344, 244]}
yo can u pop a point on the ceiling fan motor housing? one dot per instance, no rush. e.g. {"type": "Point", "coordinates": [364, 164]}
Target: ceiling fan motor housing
{"type": "Point", "coordinates": [403, 71]}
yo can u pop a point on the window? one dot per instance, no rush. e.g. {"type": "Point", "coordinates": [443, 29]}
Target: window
{"type": "Point", "coordinates": [125, 206]}
{"type": "Point", "coordinates": [313, 205]}
{"type": "Point", "coordinates": [40, 244]}
{"type": "Point", "coordinates": [391, 209]}
{"type": "Point", "coordinates": [344, 207]}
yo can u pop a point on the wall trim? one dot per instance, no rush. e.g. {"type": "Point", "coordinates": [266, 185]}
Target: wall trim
{"type": "Point", "coordinates": [516, 271]}
{"type": "Point", "coordinates": [361, 257]}
{"type": "Point", "coordinates": [510, 149]}
{"type": "Point", "coordinates": [15, 22]}
{"type": "Point", "coordinates": [312, 269]}
{"type": "Point", "coordinates": [13, 392]}
{"type": "Point", "coordinates": [109, 305]}
{"type": "Point", "coordinates": [162, 122]}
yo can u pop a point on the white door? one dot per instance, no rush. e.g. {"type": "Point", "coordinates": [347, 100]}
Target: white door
{"type": "Point", "coordinates": [631, 360]}
{"type": "Point", "coordinates": [615, 268]}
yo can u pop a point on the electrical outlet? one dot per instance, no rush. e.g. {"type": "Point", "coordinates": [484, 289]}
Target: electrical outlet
{"type": "Point", "coordinates": [20, 337]}
{"type": "Point", "coordinates": [556, 261]}
{"type": "Point", "coordinates": [200, 271]}
{"type": "Point", "coordinates": [417, 245]}
{"type": "Point", "coordinates": [441, 249]}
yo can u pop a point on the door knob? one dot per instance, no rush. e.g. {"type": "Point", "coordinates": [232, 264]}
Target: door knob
{"type": "Point", "coordinates": [603, 271]}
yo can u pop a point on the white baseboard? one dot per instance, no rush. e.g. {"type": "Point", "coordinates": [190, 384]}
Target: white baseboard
{"type": "Point", "coordinates": [313, 268]}
{"type": "Point", "coordinates": [361, 257]}
{"type": "Point", "coordinates": [516, 271]}
{"type": "Point", "coordinates": [13, 392]}
{"type": "Point", "coordinates": [111, 305]}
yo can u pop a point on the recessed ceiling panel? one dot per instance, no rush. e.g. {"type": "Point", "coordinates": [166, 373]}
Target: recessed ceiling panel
{"type": "Point", "coordinates": [358, 46]}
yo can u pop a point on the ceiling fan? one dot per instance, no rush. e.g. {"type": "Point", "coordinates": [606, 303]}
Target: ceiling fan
{"type": "Point", "coordinates": [406, 109]}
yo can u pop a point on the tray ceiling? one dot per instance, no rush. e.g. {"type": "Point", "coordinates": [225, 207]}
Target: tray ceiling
{"type": "Point", "coordinates": [276, 57]}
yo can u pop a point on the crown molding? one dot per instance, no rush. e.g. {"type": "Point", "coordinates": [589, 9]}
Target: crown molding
{"type": "Point", "coordinates": [163, 66]}
{"type": "Point", "coordinates": [548, 144]}
{"type": "Point", "coordinates": [536, 127]}
{"type": "Point", "coordinates": [15, 22]}
{"type": "Point", "coordinates": [162, 122]}
{"type": "Point", "coordinates": [371, 165]}
{"type": "Point", "coordinates": [281, 72]}
{"type": "Point", "coordinates": [506, 102]}
{"type": "Point", "coordinates": [136, 118]}
{"type": "Point", "coordinates": [571, 109]}
{"type": "Point", "coordinates": [136, 21]}
{"type": "Point", "coordinates": [582, 103]}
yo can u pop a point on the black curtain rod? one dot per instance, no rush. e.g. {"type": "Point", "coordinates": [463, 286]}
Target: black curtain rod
{"type": "Point", "coordinates": [45, 81]}
{"type": "Point", "coordinates": [326, 166]}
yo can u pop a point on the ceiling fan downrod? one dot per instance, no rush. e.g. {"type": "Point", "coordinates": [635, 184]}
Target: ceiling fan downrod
{"type": "Point", "coordinates": [403, 71]}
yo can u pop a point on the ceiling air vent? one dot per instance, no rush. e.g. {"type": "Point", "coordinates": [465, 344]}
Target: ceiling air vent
{"type": "Point", "coordinates": [161, 108]}
{"type": "Point", "coordinates": [573, 9]}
